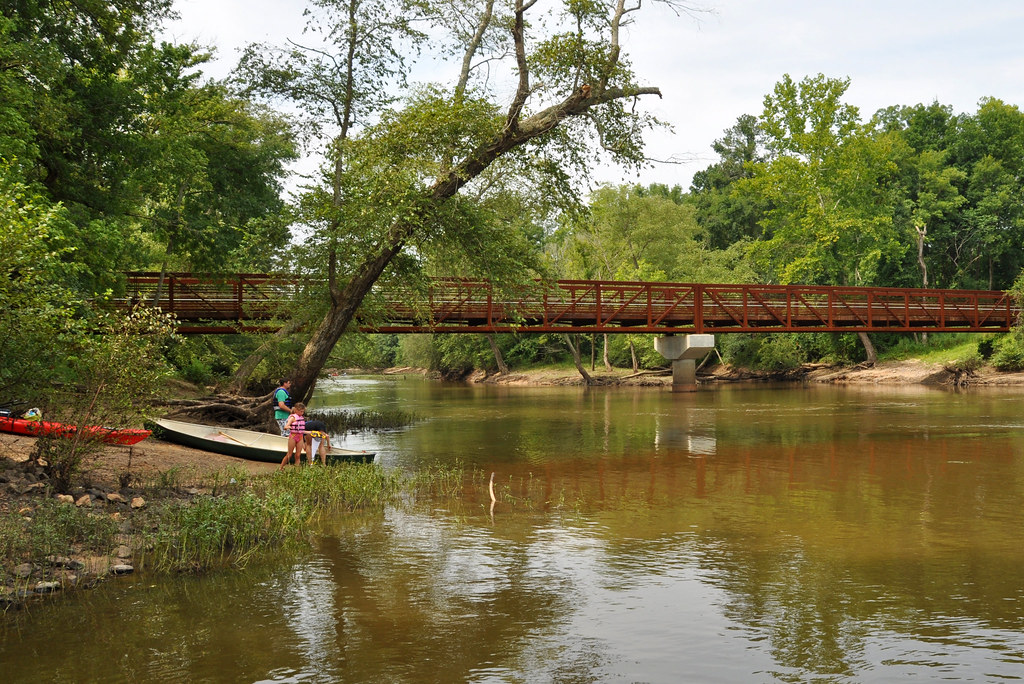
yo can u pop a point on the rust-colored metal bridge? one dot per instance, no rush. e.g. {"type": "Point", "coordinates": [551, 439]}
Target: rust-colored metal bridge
{"type": "Point", "coordinates": [251, 302]}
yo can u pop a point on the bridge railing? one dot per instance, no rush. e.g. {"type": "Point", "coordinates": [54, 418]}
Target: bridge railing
{"type": "Point", "coordinates": [455, 305]}
{"type": "Point", "coordinates": [239, 298]}
{"type": "Point", "coordinates": [616, 307]}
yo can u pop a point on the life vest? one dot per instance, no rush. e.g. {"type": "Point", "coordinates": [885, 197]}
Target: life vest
{"type": "Point", "coordinates": [287, 394]}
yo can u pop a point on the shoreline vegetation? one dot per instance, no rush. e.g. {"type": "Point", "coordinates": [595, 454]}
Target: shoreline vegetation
{"type": "Point", "coordinates": [165, 508]}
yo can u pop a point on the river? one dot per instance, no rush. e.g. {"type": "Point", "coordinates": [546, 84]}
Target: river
{"type": "Point", "coordinates": [736, 534]}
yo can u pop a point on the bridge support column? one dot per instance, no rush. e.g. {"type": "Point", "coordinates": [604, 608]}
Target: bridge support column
{"type": "Point", "coordinates": [683, 352]}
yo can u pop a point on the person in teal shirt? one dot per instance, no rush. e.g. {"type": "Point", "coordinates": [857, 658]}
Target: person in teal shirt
{"type": "Point", "coordinates": [283, 405]}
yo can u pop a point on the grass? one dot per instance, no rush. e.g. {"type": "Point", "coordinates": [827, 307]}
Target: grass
{"type": "Point", "coordinates": [942, 348]}
{"type": "Point", "coordinates": [261, 512]}
{"type": "Point", "coordinates": [240, 516]}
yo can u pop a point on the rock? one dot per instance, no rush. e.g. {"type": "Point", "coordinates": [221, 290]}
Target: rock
{"type": "Point", "coordinates": [123, 551]}
{"type": "Point", "coordinates": [116, 515]}
{"type": "Point", "coordinates": [121, 569]}
{"type": "Point", "coordinates": [22, 571]}
{"type": "Point", "coordinates": [21, 487]}
{"type": "Point", "coordinates": [65, 498]}
{"type": "Point", "coordinates": [115, 497]}
{"type": "Point", "coordinates": [65, 562]}
{"type": "Point", "coordinates": [47, 587]}
{"type": "Point", "coordinates": [138, 502]}
{"type": "Point", "coordinates": [84, 500]}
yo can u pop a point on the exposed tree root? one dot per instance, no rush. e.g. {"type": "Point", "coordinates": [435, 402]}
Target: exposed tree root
{"type": "Point", "coordinates": [228, 410]}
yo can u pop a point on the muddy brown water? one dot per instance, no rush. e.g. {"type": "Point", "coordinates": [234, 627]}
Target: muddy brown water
{"type": "Point", "coordinates": [752, 534]}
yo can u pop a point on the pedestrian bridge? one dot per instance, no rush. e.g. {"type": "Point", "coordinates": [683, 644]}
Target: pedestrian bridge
{"type": "Point", "coordinates": [248, 302]}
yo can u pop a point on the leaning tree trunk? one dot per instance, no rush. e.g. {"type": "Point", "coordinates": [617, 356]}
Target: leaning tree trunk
{"type": "Point", "coordinates": [342, 311]}
{"type": "Point", "coordinates": [516, 131]}
{"type": "Point", "coordinates": [578, 360]}
{"type": "Point", "coordinates": [502, 368]}
{"type": "Point", "coordinates": [869, 348]}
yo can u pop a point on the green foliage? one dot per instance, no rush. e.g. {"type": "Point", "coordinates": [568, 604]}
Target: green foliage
{"type": "Point", "coordinates": [417, 351]}
{"type": "Point", "coordinates": [54, 529]}
{"type": "Point", "coordinates": [204, 533]}
{"type": "Point", "coordinates": [965, 364]}
{"type": "Point", "coordinates": [528, 349]}
{"type": "Point", "coordinates": [38, 303]}
{"type": "Point", "coordinates": [830, 220]}
{"type": "Point", "coordinates": [643, 234]}
{"type": "Point", "coordinates": [204, 359]}
{"type": "Point", "coordinates": [366, 351]}
{"type": "Point", "coordinates": [262, 513]}
{"type": "Point", "coordinates": [726, 216]}
{"type": "Point", "coordinates": [1008, 352]}
{"type": "Point", "coordinates": [212, 169]}
{"type": "Point", "coordinates": [769, 352]}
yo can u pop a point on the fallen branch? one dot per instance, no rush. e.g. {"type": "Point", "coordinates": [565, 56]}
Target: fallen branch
{"type": "Point", "coordinates": [657, 371]}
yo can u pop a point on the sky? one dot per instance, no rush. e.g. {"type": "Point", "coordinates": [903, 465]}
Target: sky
{"type": "Point", "coordinates": [716, 65]}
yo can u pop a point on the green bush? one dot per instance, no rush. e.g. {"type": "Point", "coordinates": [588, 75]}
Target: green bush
{"type": "Point", "coordinates": [780, 353]}
{"type": "Point", "coordinates": [772, 352]}
{"type": "Point", "coordinates": [1008, 352]}
{"type": "Point", "coordinates": [197, 372]}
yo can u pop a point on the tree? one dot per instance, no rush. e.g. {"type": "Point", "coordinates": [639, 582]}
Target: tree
{"type": "Point", "coordinates": [37, 301]}
{"type": "Point", "coordinates": [828, 182]}
{"type": "Point", "coordinates": [122, 133]}
{"type": "Point", "coordinates": [213, 163]}
{"type": "Point", "coordinates": [990, 148]}
{"type": "Point", "coordinates": [726, 215]}
{"type": "Point", "coordinates": [399, 182]}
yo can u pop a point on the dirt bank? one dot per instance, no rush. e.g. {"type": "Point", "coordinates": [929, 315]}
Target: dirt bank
{"type": "Point", "coordinates": [910, 372]}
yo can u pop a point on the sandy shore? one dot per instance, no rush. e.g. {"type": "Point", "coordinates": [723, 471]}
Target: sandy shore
{"type": "Point", "coordinates": [144, 460]}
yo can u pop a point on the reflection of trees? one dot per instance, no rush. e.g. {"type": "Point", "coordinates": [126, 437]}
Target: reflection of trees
{"type": "Point", "coordinates": [817, 548]}
{"type": "Point", "coordinates": [423, 604]}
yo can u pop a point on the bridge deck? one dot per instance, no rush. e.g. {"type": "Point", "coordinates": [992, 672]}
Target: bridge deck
{"type": "Point", "coordinates": [250, 301]}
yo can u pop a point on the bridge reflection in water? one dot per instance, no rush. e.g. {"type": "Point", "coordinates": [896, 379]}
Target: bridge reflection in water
{"type": "Point", "coordinates": [254, 302]}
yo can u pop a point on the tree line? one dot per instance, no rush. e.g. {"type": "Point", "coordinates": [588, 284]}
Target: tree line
{"type": "Point", "coordinates": [118, 153]}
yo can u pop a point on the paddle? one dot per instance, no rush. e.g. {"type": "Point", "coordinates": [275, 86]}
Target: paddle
{"type": "Point", "coordinates": [233, 439]}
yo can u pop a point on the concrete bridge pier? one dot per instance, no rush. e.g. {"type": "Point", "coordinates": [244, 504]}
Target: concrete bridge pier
{"type": "Point", "coordinates": [683, 352]}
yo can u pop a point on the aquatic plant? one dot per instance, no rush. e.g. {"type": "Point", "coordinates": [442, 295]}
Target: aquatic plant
{"type": "Point", "coordinates": [341, 422]}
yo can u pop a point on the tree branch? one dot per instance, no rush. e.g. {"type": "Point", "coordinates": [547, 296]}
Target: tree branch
{"type": "Point", "coordinates": [471, 49]}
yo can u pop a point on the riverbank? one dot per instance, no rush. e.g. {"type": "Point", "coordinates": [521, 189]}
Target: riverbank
{"type": "Point", "coordinates": [59, 542]}
{"type": "Point", "coordinates": [908, 372]}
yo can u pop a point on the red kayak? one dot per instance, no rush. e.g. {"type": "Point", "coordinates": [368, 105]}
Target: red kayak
{"type": "Point", "coordinates": [46, 428]}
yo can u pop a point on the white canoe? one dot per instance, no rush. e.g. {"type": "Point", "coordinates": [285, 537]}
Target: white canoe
{"type": "Point", "coordinates": [255, 446]}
